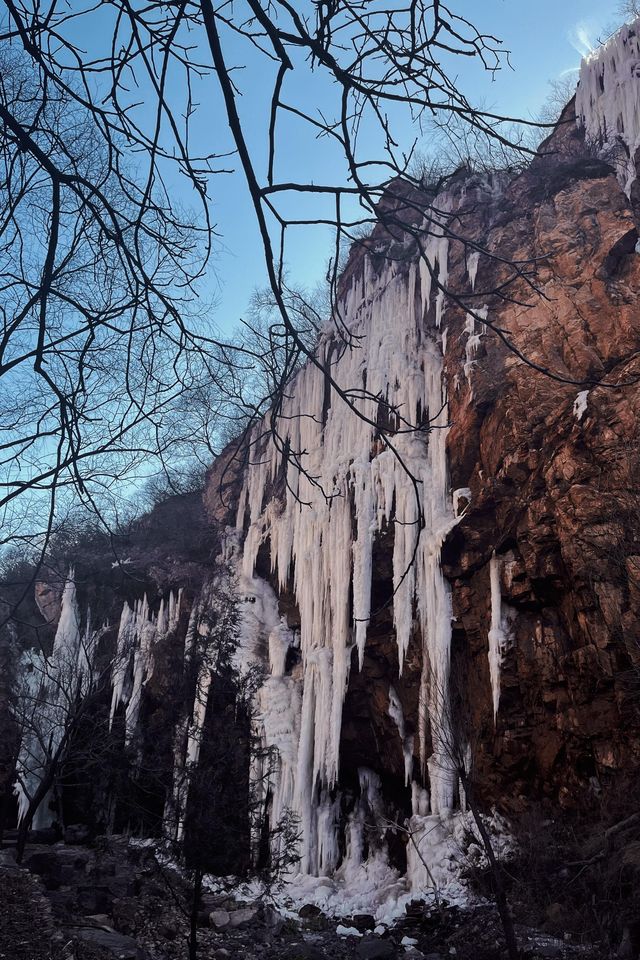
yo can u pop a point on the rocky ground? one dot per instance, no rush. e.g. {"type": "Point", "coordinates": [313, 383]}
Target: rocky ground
{"type": "Point", "coordinates": [113, 899]}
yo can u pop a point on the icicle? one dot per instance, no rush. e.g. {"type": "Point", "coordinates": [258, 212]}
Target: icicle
{"type": "Point", "coordinates": [607, 101]}
{"type": "Point", "coordinates": [472, 268]}
{"type": "Point", "coordinates": [53, 682]}
{"type": "Point", "coordinates": [397, 715]}
{"type": "Point", "coordinates": [499, 632]}
{"type": "Point", "coordinates": [67, 639]}
{"type": "Point", "coordinates": [324, 528]}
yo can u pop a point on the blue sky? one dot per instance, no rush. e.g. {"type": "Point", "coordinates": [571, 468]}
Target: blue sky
{"type": "Point", "coordinates": [545, 40]}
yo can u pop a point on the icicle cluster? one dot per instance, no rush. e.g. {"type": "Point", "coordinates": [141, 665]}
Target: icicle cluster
{"type": "Point", "coordinates": [50, 686]}
{"type": "Point", "coordinates": [138, 633]}
{"type": "Point", "coordinates": [608, 99]}
{"type": "Point", "coordinates": [321, 532]}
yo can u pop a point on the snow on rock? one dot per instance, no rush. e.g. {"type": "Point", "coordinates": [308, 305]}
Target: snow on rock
{"type": "Point", "coordinates": [580, 405]}
{"type": "Point", "coordinates": [608, 100]}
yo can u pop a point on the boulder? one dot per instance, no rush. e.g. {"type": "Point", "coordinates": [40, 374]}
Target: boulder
{"type": "Point", "coordinates": [244, 916]}
{"type": "Point", "coordinates": [309, 911]}
{"type": "Point", "coordinates": [374, 948]}
{"type": "Point", "coordinates": [121, 946]}
{"type": "Point", "coordinates": [219, 919]}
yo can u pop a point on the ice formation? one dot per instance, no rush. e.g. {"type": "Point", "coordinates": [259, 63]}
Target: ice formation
{"type": "Point", "coordinates": [49, 685]}
{"type": "Point", "coordinates": [499, 631]}
{"type": "Point", "coordinates": [580, 405]}
{"type": "Point", "coordinates": [473, 338]}
{"type": "Point", "coordinates": [608, 100]}
{"type": "Point", "coordinates": [397, 715]}
{"type": "Point", "coordinates": [138, 633]}
{"type": "Point", "coordinates": [322, 528]}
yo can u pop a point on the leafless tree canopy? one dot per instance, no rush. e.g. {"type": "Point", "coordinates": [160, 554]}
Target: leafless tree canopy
{"type": "Point", "coordinates": [112, 149]}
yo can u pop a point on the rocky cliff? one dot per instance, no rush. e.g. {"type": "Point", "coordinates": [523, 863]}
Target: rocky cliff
{"type": "Point", "coordinates": [524, 376]}
{"type": "Point", "coordinates": [438, 551]}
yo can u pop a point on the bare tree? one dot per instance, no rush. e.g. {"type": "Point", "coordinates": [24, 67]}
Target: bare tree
{"type": "Point", "coordinates": [103, 333]}
{"type": "Point", "coordinates": [214, 817]}
{"type": "Point", "coordinates": [452, 731]}
{"type": "Point", "coordinates": [629, 9]}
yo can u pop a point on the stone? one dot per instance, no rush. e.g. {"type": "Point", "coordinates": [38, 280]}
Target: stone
{"type": "Point", "coordinates": [169, 929]}
{"type": "Point", "coordinates": [309, 910]}
{"type": "Point", "coordinates": [121, 946]}
{"type": "Point", "coordinates": [124, 912]}
{"type": "Point", "coordinates": [274, 920]}
{"type": "Point", "coordinates": [219, 919]}
{"type": "Point", "coordinates": [374, 948]}
{"type": "Point", "coordinates": [243, 916]}
{"type": "Point", "coordinates": [76, 833]}
{"type": "Point", "coordinates": [363, 921]}
{"type": "Point", "coordinates": [100, 920]}
{"type": "Point", "coordinates": [550, 951]}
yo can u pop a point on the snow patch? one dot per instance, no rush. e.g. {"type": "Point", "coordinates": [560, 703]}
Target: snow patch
{"type": "Point", "coordinates": [580, 405]}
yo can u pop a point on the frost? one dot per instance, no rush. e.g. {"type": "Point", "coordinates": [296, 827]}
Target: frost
{"type": "Point", "coordinates": [608, 99]}
{"type": "Point", "coordinates": [580, 405]}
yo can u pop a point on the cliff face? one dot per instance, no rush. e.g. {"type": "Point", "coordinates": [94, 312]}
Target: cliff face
{"type": "Point", "coordinates": [552, 468]}
{"type": "Point", "coordinates": [448, 564]}
{"type": "Point", "coordinates": [537, 524]}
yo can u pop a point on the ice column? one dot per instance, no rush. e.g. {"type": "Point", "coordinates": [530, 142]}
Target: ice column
{"type": "Point", "coordinates": [499, 632]}
{"type": "Point", "coordinates": [49, 688]}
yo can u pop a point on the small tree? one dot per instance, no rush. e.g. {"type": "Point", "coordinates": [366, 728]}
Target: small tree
{"type": "Point", "coordinates": [214, 818]}
{"type": "Point", "coordinates": [453, 733]}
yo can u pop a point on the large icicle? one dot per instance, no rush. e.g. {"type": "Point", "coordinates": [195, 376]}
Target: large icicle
{"type": "Point", "coordinates": [499, 632]}
{"type": "Point", "coordinates": [139, 631]}
{"type": "Point", "coordinates": [350, 487]}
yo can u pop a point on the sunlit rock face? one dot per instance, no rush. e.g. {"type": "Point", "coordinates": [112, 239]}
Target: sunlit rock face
{"type": "Point", "coordinates": [521, 606]}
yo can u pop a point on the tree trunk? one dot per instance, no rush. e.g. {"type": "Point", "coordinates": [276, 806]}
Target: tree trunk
{"type": "Point", "coordinates": [25, 824]}
{"type": "Point", "coordinates": [496, 873]}
{"type": "Point", "coordinates": [44, 786]}
{"type": "Point", "coordinates": [195, 905]}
